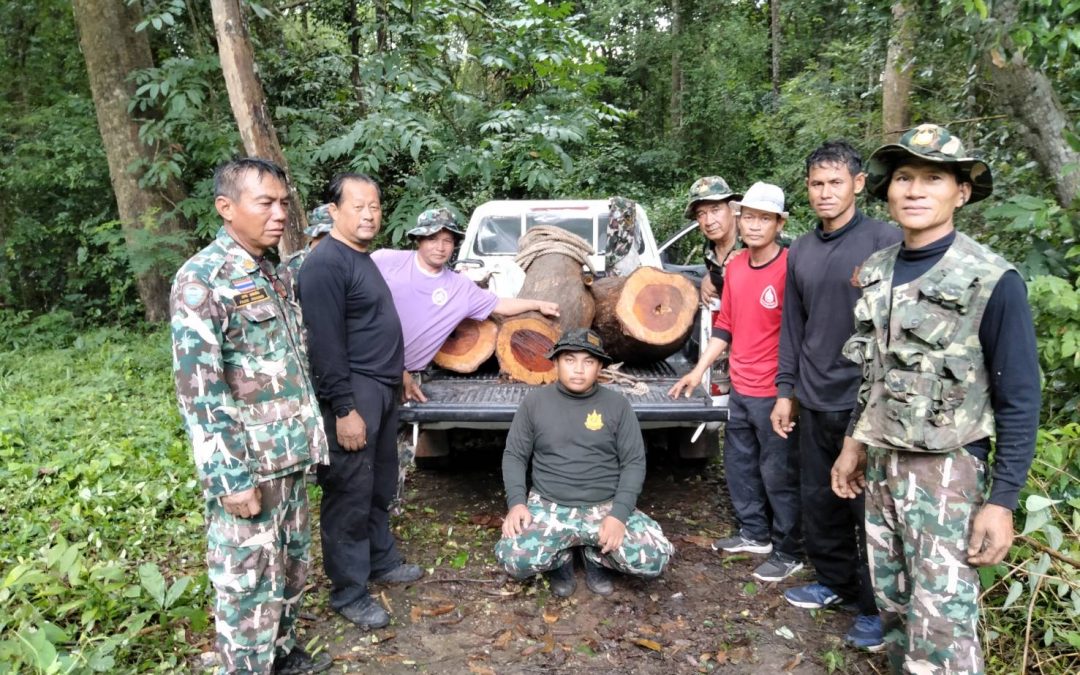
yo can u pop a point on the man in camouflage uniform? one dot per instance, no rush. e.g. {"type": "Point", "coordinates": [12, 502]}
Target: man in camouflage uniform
{"type": "Point", "coordinates": [710, 206]}
{"type": "Point", "coordinates": [947, 347]}
{"type": "Point", "coordinates": [588, 464]}
{"type": "Point", "coordinates": [250, 410]}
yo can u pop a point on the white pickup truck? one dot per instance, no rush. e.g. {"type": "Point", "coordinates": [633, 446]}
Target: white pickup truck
{"type": "Point", "coordinates": [483, 400]}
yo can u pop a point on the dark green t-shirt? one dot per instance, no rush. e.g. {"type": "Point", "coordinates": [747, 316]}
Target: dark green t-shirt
{"type": "Point", "coordinates": [585, 448]}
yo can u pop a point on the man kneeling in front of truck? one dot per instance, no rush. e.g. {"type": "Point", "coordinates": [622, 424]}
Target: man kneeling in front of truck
{"type": "Point", "coordinates": [588, 465]}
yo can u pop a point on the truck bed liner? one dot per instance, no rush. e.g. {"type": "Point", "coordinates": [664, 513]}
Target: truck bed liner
{"type": "Point", "coordinates": [484, 397]}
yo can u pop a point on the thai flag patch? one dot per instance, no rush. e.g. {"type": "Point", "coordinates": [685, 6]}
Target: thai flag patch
{"type": "Point", "coordinates": [244, 285]}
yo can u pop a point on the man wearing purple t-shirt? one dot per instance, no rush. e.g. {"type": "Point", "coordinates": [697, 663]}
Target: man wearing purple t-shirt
{"type": "Point", "coordinates": [431, 299]}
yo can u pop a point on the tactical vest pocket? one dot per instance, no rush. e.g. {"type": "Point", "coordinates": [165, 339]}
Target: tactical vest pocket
{"type": "Point", "coordinates": [276, 436]}
{"type": "Point", "coordinates": [256, 329]}
{"type": "Point", "coordinates": [931, 323]}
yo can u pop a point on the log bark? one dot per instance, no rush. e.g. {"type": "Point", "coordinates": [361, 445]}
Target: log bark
{"type": "Point", "coordinates": [644, 317]}
{"type": "Point", "coordinates": [468, 347]}
{"type": "Point", "coordinates": [775, 35]}
{"type": "Point", "coordinates": [1029, 96]}
{"type": "Point", "coordinates": [896, 80]}
{"type": "Point", "coordinates": [524, 340]}
{"type": "Point", "coordinates": [248, 101]}
{"type": "Point", "coordinates": [113, 50]}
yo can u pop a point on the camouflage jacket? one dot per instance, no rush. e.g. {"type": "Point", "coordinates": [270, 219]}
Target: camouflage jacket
{"type": "Point", "coordinates": [241, 371]}
{"type": "Point", "coordinates": [925, 384]}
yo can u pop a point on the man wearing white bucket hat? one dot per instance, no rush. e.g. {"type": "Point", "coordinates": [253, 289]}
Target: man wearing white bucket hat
{"type": "Point", "coordinates": [761, 466]}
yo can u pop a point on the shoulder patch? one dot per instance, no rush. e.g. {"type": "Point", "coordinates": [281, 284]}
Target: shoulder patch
{"type": "Point", "coordinates": [194, 294]}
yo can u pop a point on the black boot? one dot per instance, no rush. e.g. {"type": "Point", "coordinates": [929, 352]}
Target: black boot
{"type": "Point", "coordinates": [598, 578]}
{"type": "Point", "coordinates": [562, 580]}
{"type": "Point", "coordinates": [298, 662]}
{"type": "Point", "coordinates": [365, 613]}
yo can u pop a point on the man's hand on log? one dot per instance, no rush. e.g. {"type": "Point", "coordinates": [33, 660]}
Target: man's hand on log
{"type": "Point", "coordinates": [548, 308]}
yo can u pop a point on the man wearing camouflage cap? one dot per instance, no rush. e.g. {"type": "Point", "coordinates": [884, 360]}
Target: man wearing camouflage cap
{"type": "Point", "coordinates": [249, 407]}
{"type": "Point", "coordinates": [947, 347]}
{"type": "Point", "coordinates": [588, 465]}
{"type": "Point", "coordinates": [319, 225]}
{"type": "Point", "coordinates": [432, 299]}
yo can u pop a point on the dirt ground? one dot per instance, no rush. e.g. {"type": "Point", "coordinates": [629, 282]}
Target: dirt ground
{"type": "Point", "coordinates": [705, 614]}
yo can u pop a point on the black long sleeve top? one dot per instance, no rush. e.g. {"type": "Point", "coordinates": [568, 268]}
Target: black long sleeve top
{"type": "Point", "coordinates": [1007, 338]}
{"type": "Point", "coordinates": [585, 449]}
{"type": "Point", "coordinates": [352, 325]}
{"type": "Point", "coordinates": [818, 301]}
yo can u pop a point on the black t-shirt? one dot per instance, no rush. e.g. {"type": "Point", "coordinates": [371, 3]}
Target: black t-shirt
{"type": "Point", "coordinates": [352, 325]}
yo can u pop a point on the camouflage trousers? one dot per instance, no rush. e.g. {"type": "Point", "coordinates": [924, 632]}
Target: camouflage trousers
{"type": "Point", "coordinates": [548, 542]}
{"type": "Point", "coordinates": [258, 567]}
{"type": "Point", "coordinates": [919, 511]}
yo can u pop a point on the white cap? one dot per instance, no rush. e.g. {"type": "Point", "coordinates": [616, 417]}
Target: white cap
{"type": "Point", "coordinates": [764, 197]}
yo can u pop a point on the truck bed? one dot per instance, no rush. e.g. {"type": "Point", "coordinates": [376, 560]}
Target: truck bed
{"type": "Point", "coordinates": [484, 400]}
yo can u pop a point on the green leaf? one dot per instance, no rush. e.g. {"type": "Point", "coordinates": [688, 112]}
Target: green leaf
{"type": "Point", "coordinates": [1039, 502]}
{"type": "Point", "coordinates": [151, 579]}
{"type": "Point", "coordinates": [459, 560]}
{"type": "Point", "coordinates": [43, 651]}
{"type": "Point", "coordinates": [176, 590]}
{"type": "Point", "coordinates": [1015, 590]}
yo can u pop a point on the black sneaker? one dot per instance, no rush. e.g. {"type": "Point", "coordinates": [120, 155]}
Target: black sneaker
{"type": "Point", "coordinates": [737, 543]}
{"type": "Point", "coordinates": [598, 578]}
{"type": "Point", "coordinates": [366, 614]}
{"type": "Point", "coordinates": [298, 661]}
{"type": "Point", "coordinates": [777, 568]}
{"type": "Point", "coordinates": [562, 580]}
{"type": "Point", "coordinates": [402, 574]}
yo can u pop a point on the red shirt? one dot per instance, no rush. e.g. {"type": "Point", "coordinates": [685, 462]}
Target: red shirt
{"type": "Point", "coordinates": [750, 310]}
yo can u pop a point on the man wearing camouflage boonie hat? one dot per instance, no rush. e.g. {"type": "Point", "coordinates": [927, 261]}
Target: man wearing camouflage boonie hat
{"type": "Point", "coordinates": [319, 225]}
{"type": "Point", "coordinates": [588, 464]}
{"type": "Point", "coordinates": [432, 299]}
{"type": "Point", "coordinates": [945, 339]}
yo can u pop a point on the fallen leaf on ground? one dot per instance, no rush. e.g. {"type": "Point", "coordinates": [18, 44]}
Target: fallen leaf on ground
{"type": "Point", "coordinates": [550, 617]}
{"type": "Point", "coordinates": [487, 520]}
{"type": "Point", "coordinates": [698, 540]}
{"type": "Point", "coordinates": [793, 663]}
{"type": "Point", "coordinates": [477, 669]}
{"type": "Point", "coordinates": [438, 610]}
{"type": "Point", "coordinates": [503, 640]}
{"type": "Point", "coordinates": [648, 644]}
{"type": "Point", "coordinates": [549, 644]}
{"type": "Point", "coordinates": [785, 632]}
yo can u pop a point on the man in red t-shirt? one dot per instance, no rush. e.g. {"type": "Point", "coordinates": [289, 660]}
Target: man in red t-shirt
{"type": "Point", "coordinates": [761, 467]}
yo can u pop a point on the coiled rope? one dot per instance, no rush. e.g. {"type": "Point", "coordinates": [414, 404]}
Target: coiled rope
{"type": "Point", "coordinates": [546, 239]}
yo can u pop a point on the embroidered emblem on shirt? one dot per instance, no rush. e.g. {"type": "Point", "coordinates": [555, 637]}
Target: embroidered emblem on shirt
{"type": "Point", "coordinates": [440, 296]}
{"type": "Point", "coordinates": [769, 299]}
{"type": "Point", "coordinates": [593, 421]}
{"type": "Point", "coordinates": [195, 295]}
{"type": "Point", "coordinates": [243, 285]}
{"type": "Point", "coordinates": [249, 265]}
{"type": "Point", "coordinates": [251, 297]}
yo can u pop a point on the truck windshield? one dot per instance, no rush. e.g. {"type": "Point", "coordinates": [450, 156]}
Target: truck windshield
{"type": "Point", "coordinates": [498, 234]}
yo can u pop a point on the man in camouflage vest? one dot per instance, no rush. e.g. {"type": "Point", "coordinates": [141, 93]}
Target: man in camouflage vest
{"type": "Point", "coordinates": [250, 410]}
{"type": "Point", "coordinates": [947, 347]}
{"type": "Point", "coordinates": [588, 464]}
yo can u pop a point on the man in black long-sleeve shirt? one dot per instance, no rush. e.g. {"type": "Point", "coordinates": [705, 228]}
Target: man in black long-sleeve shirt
{"type": "Point", "coordinates": [945, 338]}
{"type": "Point", "coordinates": [818, 299]}
{"type": "Point", "coordinates": [588, 464]}
{"type": "Point", "coordinates": [357, 357]}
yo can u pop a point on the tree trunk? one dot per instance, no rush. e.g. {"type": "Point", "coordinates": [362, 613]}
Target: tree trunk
{"type": "Point", "coordinates": [249, 107]}
{"type": "Point", "coordinates": [896, 80]}
{"type": "Point", "coordinates": [644, 317]}
{"type": "Point", "coordinates": [675, 104]}
{"type": "Point", "coordinates": [113, 50]}
{"type": "Point", "coordinates": [1036, 108]}
{"type": "Point", "coordinates": [775, 35]}
{"type": "Point", "coordinates": [470, 345]}
{"type": "Point", "coordinates": [524, 340]}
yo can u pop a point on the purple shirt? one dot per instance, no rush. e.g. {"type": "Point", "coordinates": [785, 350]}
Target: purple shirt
{"type": "Point", "coordinates": [430, 306]}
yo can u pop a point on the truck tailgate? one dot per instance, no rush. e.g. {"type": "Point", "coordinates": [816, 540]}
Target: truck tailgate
{"type": "Point", "coordinates": [485, 398]}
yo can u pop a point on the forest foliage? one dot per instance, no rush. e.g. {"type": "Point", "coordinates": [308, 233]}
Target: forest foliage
{"type": "Point", "coordinates": [454, 102]}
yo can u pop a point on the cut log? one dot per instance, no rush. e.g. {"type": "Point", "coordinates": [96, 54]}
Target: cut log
{"type": "Point", "coordinates": [644, 317]}
{"type": "Point", "coordinates": [524, 340]}
{"type": "Point", "coordinates": [468, 347]}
